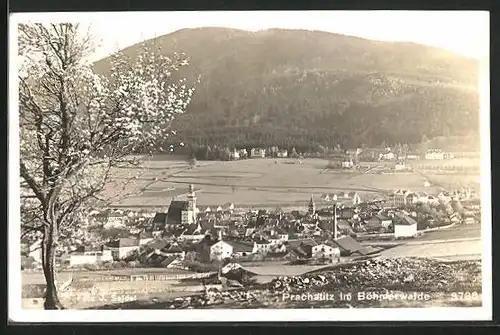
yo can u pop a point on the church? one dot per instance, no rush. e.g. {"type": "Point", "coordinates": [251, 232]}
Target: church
{"type": "Point", "coordinates": [180, 213]}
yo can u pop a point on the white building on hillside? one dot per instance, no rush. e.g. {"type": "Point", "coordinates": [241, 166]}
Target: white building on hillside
{"type": "Point", "coordinates": [325, 251]}
{"type": "Point", "coordinates": [434, 154]}
{"type": "Point", "coordinates": [257, 153]}
{"type": "Point", "coordinates": [88, 257]}
{"type": "Point", "coordinates": [405, 227]}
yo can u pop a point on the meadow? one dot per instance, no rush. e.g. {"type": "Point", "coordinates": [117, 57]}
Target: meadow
{"type": "Point", "coordinates": [268, 183]}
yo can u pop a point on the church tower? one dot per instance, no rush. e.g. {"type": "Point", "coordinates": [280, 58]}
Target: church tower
{"type": "Point", "coordinates": [191, 205]}
{"type": "Point", "coordinates": [312, 206]}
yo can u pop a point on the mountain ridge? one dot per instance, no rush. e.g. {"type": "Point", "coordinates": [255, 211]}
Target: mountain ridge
{"type": "Point", "coordinates": [308, 88]}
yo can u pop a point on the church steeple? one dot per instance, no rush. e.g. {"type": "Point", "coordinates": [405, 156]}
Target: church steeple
{"type": "Point", "coordinates": [312, 206]}
{"type": "Point", "coordinates": [191, 204]}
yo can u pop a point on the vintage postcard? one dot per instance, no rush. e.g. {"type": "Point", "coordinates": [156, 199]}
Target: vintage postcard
{"type": "Point", "coordinates": [249, 166]}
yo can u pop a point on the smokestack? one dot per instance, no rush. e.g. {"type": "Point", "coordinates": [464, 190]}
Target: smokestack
{"type": "Point", "coordinates": [335, 220]}
{"type": "Point", "coordinates": [191, 188]}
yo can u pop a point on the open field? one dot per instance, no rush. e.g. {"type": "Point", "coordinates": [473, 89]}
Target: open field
{"type": "Point", "coordinates": [453, 249]}
{"type": "Point", "coordinates": [262, 182]}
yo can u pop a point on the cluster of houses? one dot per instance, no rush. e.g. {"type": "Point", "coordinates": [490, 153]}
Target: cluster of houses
{"type": "Point", "coordinates": [388, 154]}
{"type": "Point", "coordinates": [274, 152]}
{"type": "Point", "coordinates": [402, 197]}
{"type": "Point", "coordinates": [438, 154]}
{"type": "Point", "coordinates": [328, 228]}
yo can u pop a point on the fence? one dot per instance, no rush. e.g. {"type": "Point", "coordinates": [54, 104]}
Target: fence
{"type": "Point", "coordinates": [147, 277]}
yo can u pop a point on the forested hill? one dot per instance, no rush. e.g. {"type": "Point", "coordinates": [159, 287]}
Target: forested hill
{"type": "Point", "coordinates": [308, 88]}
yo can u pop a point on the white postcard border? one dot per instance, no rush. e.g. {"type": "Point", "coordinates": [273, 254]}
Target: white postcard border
{"type": "Point", "coordinates": [17, 314]}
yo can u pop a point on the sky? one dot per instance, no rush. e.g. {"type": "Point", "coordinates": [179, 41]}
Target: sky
{"type": "Point", "coordinates": [462, 32]}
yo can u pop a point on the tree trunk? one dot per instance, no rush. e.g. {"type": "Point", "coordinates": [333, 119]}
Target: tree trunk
{"type": "Point", "coordinates": [48, 262]}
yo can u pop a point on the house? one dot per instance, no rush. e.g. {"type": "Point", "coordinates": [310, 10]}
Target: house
{"type": "Point", "coordinates": [347, 213]}
{"type": "Point", "coordinates": [346, 244]}
{"type": "Point", "coordinates": [405, 226]}
{"type": "Point", "coordinates": [401, 197]}
{"type": "Point", "coordinates": [240, 249]}
{"type": "Point", "coordinates": [282, 154]}
{"type": "Point", "coordinates": [412, 156]}
{"type": "Point", "coordinates": [370, 154]}
{"type": "Point", "coordinates": [257, 153]}
{"type": "Point", "coordinates": [470, 220]}
{"type": "Point", "coordinates": [281, 234]}
{"type": "Point", "coordinates": [173, 250]}
{"type": "Point", "coordinates": [220, 250]}
{"type": "Point", "coordinates": [353, 152]}
{"type": "Point", "coordinates": [193, 232]}
{"type": "Point", "coordinates": [379, 220]}
{"type": "Point", "coordinates": [88, 257]}
{"type": "Point", "coordinates": [235, 154]}
{"type": "Point", "coordinates": [343, 226]}
{"type": "Point", "coordinates": [325, 251]}
{"type": "Point", "coordinates": [123, 247]}
{"type": "Point", "coordinates": [387, 156]}
{"type": "Point", "coordinates": [418, 198]}
{"type": "Point", "coordinates": [302, 247]}
{"type": "Point", "coordinates": [203, 248]}
{"type": "Point", "coordinates": [115, 220]}
{"type": "Point", "coordinates": [349, 199]}
{"type": "Point", "coordinates": [243, 153]}
{"type": "Point", "coordinates": [311, 230]}
{"type": "Point", "coordinates": [261, 246]}
{"type": "Point", "coordinates": [434, 154]}
{"type": "Point", "coordinates": [347, 164]}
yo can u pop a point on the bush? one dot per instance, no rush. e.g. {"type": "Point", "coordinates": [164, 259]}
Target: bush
{"type": "Point", "coordinates": [202, 267]}
{"type": "Point", "coordinates": [91, 267]}
{"type": "Point", "coordinates": [28, 263]}
{"type": "Point", "coordinates": [117, 265]}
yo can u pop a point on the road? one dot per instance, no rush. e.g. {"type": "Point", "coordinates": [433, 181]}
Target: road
{"type": "Point", "coordinates": [457, 232]}
{"type": "Point", "coordinates": [457, 243]}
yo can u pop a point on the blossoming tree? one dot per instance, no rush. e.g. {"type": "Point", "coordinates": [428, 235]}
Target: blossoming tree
{"type": "Point", "coordinates": [77, 127]}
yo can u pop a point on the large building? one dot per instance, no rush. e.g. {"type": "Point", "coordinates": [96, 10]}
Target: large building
{"type": "Point", "coordinates": [405, 226]}
{"type": "Point", "coordinates": [182, 212]}
{"type": "Point", "coordinates": [402, 197]}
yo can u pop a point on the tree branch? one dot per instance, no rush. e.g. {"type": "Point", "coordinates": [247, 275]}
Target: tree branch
{"type": "Point", "coordinates": [31, 182]}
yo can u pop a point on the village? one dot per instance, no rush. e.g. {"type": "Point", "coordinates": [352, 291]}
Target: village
{"type": "Point", "coordinates": [329, 229]}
